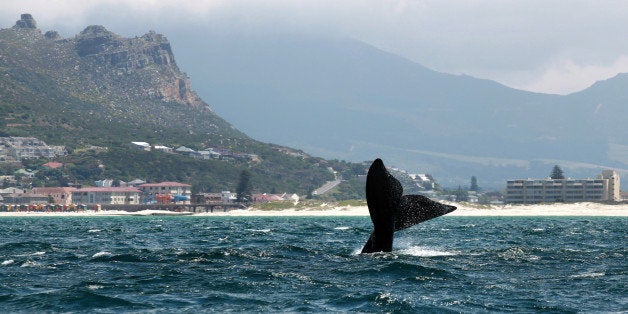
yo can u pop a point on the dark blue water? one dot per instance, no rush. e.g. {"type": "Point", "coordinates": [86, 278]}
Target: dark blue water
{"type": "Point", "coordinates": [191, 264]}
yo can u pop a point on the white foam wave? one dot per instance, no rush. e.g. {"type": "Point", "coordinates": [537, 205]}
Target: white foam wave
{"type": "Point", "coordinates": [8, 262]}
{"type": "Point", "coordinates": [342, 228]}
{"type": "Point", "coordinates": [258, 230]}
{"type": "Point", "coordinates": [29, 264]}
{"type": "Point", "coordinates": [94, 230]}
{"type": "Point", "coordinates": [94, 287]}
{"type": "Point", "coordinates": [589, 275]}
{"type": "Point", "coordinates": [424, 252]}
{"type": "Point", "coordinates": [102, 253]}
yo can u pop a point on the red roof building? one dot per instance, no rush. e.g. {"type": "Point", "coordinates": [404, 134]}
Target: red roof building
{"type": "Point", "coordinates": [53, 165]}
{"type": "Point", "coordinates": [60, 195]}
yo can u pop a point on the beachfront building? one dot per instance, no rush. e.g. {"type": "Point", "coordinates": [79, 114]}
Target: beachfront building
{"type": "Point", "coordinates": [530, 191]}
{"type": "Point", "coordinates": [172, 188]}
{"type": "Point", "coordinates": [106, 195]}
{"type": "Point", "coordinates": [59, 195]}
{"type": "Point", "coordinates": [26, 198]}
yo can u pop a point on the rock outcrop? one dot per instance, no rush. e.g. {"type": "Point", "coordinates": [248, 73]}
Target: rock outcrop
{"type": "Point", "coordinates": [134, 55]}
{"type": "Point", "coordinates": [26, 21]}
{"type": "Point", "coordinates": [52, 35]}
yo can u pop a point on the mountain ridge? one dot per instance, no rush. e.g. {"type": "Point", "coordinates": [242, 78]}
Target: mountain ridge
{"type": "Point", "coordinates": [341, 98]}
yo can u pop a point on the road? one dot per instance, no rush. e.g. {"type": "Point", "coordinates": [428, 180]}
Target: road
{"type": "Point", "coordinates": [326, 187]}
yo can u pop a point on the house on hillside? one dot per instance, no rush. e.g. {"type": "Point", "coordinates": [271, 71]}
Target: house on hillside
{"type": "Point", "coordinates": [206, 154]}
{"type": "Point", "coordinates": [52, 165]}
{"type": "Point", "coordinates": [141, 145]}
{"type": "Point", "coordinates": [135, 183]}
{"type": "Point", "coordinates": [163, 148]}
{"type": "Point", "coordinates": [19, 148]}
{"type": "Point", "coordinates": [184, 150]}
{"type": "Point", "coordinates": [25, 173]}
{"type": "Point", "coordinates": [105, 182]}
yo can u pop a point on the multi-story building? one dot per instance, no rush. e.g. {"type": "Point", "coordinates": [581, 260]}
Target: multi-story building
{"type": "Point", "coordinates": [59, 195]}
{"type": "Point", "coordinates": [529, 191]}
{"type": "Point", "coordinates": [26, 198]}
{"type": "Point", "coordinates": [19, 148]}
{"type": "Point", "coordinates": [173, 188]}
{"type": "Point", "coordinates": [106, 195]}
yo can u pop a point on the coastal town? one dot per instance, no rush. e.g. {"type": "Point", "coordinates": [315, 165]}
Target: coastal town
{"type": "Point", "coordinates": [137, 193]}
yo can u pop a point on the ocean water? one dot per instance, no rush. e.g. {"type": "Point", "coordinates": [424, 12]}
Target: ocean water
{"type": "Point", "coordinates": [311, 264]}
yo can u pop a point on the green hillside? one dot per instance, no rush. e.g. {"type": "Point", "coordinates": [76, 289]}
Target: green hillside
{"type": "Point", "coordinates": [100, 90]}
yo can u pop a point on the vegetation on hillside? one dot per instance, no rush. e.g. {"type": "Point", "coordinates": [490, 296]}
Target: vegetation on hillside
{"type": "Point", "coordinates": [95, 102]}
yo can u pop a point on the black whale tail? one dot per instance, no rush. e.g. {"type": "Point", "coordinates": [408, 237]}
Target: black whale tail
{"type": "Point", "coordinates": [390, 211]}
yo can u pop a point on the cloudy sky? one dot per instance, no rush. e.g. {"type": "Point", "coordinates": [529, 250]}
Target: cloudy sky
{"type": "Point", "coordinates": [544, 46]}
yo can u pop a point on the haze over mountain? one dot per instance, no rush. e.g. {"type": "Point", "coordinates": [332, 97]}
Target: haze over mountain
{"type": "Point", "coordinates": [341, 98]}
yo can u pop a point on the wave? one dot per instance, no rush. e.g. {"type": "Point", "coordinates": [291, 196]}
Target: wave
{"type": "Point", "coordinates": [259, 230]}
{"type": "Point", "coordinates": [423, 252]}
{"type": "Point", "coordinates": [7, 262]}
{"type": "Point", "coordinates": [101, 254]}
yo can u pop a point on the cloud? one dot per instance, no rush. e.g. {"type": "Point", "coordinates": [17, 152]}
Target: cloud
{"type": "Point", "coordinates": [567, 76]}
{"type": "Point", "coordinates": [511, 41]}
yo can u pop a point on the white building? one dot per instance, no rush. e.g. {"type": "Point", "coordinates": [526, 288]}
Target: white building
{"type": "Point", "coordinates": [141, 145]}
{"type": "Point", "coordinates": [106, 195]}
{"type": "Point", "coordinates": [173, 188]}
{"type": "Point", "coordinates": [528, 191]}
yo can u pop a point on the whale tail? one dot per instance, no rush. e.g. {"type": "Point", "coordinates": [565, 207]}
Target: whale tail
{"type": "Point", "coordinates": [390, 211]}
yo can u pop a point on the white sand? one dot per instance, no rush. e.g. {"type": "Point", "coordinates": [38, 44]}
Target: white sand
{"type": "Point", "coordinates": [576, 209]}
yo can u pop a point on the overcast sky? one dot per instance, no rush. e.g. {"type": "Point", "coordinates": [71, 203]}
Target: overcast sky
{"type": "Point", "coordinates": [544, 46]}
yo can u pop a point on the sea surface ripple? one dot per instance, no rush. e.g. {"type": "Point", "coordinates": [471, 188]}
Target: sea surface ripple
{"type": "Point", "coordinates": [312, 264]}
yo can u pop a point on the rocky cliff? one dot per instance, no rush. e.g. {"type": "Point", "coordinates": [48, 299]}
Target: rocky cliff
{"type": "Point", "coordinates": [149, 56]}
{"type": "Point", "coordinates": [135, 54]}
{"type": "Point", "coordinates": [98, 79]}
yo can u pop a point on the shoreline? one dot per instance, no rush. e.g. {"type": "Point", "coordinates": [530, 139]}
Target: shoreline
{"type": "Point", "coordinates": [464, 210]}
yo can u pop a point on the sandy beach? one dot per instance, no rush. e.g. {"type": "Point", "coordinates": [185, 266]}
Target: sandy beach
{"type": "Point", "coordinates": [574, 209]}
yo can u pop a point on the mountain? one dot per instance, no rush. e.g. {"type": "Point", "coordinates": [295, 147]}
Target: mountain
{"type": "Point", "coordinates": [341, 98]}
{"type": "Point", "coordinates": [97, 91]}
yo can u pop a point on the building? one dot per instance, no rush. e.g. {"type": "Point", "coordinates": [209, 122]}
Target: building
{"type": "Point", "coordinates": [53, 165]}
{"type": "Point", "coordinates": [26, 198]}
{"type": "Point", "coordinates": [227, 197]}
{"type": "Point", "coordinates": [106, 195]}
{"type": "Point", "coordinates": [163, 148]}
{"type": "Point", "coordinates": [529, 191]}
{"type": "Point", "coordinates": [173, 188]}
{"type": "Point", "coordinates": [105, 183]}
{"type": "Point", "coordinates": [135, 183]}
{"type": "Point", "coordinates": [265, 198]}
{"type": "Point", "coordinates": [59, 195]}
{"type": "Point", "coordinates": [19, 148]}
{"type": "Point", "coordinates": [141, 145]}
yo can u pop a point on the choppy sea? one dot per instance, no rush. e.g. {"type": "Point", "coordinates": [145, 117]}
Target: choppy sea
{"type": "Point", "coordinates": [311, 264]}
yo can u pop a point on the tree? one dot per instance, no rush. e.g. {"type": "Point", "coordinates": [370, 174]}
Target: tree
{"type": "Point", "coordinates": [474, 184]}
{"type": "Point", "coordinates": [461, 195]}
{"type": "Point", "coordinates": [557, 173]}
{"type": "Point", "coordinates": [244, 187]}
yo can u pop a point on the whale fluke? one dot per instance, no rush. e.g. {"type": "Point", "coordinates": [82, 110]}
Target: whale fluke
{"type": "Point", "coordinates": [390, 210]}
